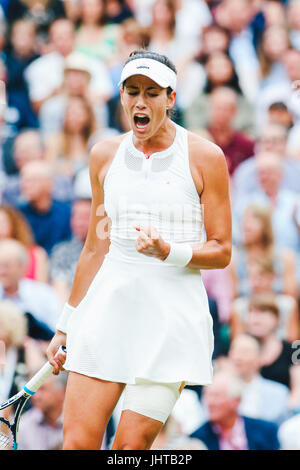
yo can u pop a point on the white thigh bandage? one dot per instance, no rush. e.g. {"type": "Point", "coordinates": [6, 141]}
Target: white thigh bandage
{"type": "Point", "coordinates": [152, 399]}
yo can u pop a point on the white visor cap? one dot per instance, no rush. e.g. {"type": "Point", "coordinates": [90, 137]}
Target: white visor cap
{"type": "Point", "coordinates": [158, 72]}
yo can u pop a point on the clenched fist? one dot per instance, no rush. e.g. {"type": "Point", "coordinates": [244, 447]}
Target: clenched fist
{"type": "Point", "coordinates": [150, 243]}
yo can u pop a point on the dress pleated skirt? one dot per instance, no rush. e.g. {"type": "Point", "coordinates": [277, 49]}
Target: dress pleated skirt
{"type": "Point", "coordinates": [142, 321]}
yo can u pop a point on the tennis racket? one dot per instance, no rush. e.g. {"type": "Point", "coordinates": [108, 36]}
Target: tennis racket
{"type": "Point", "coordinates": [9, 431]}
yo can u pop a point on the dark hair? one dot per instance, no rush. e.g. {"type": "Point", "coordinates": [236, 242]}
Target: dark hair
{"type": "Point", "coordinates": [202, 55]}
{"type": "Point", "coordinates": [143, 54]}
{"type": "Point", "coordinates": [233, 81]}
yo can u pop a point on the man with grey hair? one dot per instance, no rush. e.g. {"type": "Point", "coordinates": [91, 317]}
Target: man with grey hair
{"type": "Point", "coordinates": [28, 146]}
{"type": "Point", "coordinates": [48, 218]}
{"type": "Point", "coordinates": [283, 203]}
{"type": "Point", "coordinates": [273, 138]}
{"type": "Point", "coordinates": [37, 299]}
{"type": "Point", "coordinates": [262, 398]}
{"type": "Point", "coordinates": [226, 429]}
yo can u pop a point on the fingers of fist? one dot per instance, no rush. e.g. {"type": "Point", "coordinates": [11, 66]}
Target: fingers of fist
{"type": "Point", "coordinates": [148, 239]}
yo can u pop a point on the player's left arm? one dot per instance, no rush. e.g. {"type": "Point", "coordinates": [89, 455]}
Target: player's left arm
{"type": "Point", "coordinates": [210, 174]}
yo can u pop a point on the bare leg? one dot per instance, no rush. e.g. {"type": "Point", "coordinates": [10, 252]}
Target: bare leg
{"type": "Point", "coordinates": [135, 431]}
{"type": "Point", "coordinates": [89, 404]}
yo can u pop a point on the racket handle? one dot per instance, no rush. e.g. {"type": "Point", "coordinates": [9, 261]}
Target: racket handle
{"type": "Point", "coordinates": [41, 376]}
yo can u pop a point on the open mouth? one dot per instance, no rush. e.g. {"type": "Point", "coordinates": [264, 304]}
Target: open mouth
{"type": "Point", "coordinates": [141, 121]}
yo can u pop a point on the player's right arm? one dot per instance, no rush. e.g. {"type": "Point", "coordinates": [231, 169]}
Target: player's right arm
{"type": "Point", "coordinates": [96, 244]}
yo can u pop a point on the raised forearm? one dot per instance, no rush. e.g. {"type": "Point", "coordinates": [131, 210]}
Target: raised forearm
{"type": "Point", "coordinates": [211, 255]}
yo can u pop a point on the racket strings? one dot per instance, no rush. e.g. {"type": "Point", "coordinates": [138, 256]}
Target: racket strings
{"type": "Point", "coordinates": [6, 436]}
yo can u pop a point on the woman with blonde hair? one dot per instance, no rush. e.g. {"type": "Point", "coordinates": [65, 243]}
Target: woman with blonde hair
{"type": "Point", "coordinates": [13, 332]}
{"type": "Point", "coordinates": [258, 243]}
{"type": "Point", "coordinates": [67, 150]}
{"type": "Point", "coordinates": [14, 225]}
{"type": "Point", "coordinates": [275, 42]}
{"type": "Point", "coordinates": [20, 356]}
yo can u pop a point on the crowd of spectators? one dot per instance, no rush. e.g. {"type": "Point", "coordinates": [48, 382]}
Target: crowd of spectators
{"type": "Point", "coordinates": [238, 64]}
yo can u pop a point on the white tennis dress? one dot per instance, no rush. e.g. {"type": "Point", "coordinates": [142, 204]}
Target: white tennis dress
{"type": "Point", "coordinates": [143, 318]}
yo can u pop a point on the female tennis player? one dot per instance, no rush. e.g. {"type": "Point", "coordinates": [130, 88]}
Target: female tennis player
{"type": "Point", "coordinates": [138, 317]}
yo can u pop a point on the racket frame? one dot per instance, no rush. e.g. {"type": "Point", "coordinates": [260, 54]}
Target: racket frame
{"type": "Point", "coordinates": [21, 398]}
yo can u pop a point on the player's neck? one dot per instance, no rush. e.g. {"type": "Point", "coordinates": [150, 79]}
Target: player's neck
{"type": "Point", "coordinates": [160, 141]}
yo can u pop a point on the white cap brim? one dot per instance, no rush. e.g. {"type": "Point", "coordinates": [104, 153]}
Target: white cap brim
{"type": "Point", "coordinates": [153, 69]}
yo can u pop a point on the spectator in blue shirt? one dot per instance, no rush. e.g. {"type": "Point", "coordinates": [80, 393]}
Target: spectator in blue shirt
{"type": "Point", "coordinates": [48, 218]}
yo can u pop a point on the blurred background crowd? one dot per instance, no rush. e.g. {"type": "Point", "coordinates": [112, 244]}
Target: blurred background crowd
{"type": "Point", "coordinates": [238, 64]}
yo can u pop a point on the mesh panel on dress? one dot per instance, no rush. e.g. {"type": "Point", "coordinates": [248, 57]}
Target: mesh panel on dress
{"type": "Point", "coordinates": [132, 162]}
{"type": "Point", "coordinates": [161, 164]}
{"type": "Point", "coordinates": [6, 436]}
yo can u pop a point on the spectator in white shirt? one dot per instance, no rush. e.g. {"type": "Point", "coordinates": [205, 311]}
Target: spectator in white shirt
{"type": "Point", "coordinates": [45, 75]}
{"type": "Point", "coordinates": [37, 298]}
